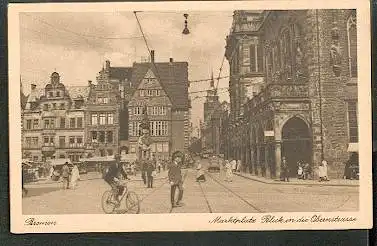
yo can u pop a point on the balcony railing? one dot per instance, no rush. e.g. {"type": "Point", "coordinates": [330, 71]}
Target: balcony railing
{"type": "Point", "coordinates": [279, 91]}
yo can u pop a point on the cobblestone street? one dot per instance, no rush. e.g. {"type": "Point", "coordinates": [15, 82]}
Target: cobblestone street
{"type": "Point", "coordinates": [213, 196]}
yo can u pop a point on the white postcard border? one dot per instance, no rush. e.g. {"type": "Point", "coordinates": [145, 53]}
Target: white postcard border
{"type": "Point", "coordinates": [189, 222]}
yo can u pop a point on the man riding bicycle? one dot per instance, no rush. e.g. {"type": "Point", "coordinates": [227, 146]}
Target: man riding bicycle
{"type": "Point", "coordinates": [112, 177]}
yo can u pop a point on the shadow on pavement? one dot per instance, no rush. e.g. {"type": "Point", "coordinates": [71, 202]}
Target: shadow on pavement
{"type": "Point", "coordinates": [37, 191]}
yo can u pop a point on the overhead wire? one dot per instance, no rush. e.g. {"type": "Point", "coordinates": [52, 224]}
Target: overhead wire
{"type": "Point", "coordinates": [80, 34]}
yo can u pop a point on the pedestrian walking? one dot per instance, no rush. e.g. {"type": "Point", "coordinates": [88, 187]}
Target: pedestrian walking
{"type": "Point", "coordinates": [175, 180]}
{"type": "Point", "coordinates": [229, 171]}
{"type": "Point", "coordinates": [158, 166]}
{"type": "Point", "coordinates": [238, 166]}
{"type": "Point", "coordinates": [75, 176]}
{"type": "Point", "coordinates": [285, 170]}
{"type": "Point", "coordinates": [149, 171]}
{"type": "Point", "coordinates": [65, 176]}
{"type": "Point", "coordinates": [322, 171]}
{"type": "Point", "coordinates": [233, 164]}
{"type": "Point", "coordinates": [199, 173]}
{"type": "Point", "coordinates": [300, 171]}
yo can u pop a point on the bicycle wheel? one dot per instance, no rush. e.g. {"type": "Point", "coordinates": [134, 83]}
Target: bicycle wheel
{"type": "Point", "coordinates": [108, 203]}
{"type": "Point", "coordinates": [132, 203]}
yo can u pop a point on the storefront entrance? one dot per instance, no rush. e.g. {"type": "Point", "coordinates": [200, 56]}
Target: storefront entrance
{"type": "Point", "coordinates": [296, 144]}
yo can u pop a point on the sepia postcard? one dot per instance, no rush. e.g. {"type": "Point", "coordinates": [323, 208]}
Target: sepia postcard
{"type": "Point", "coordinates": [190, 116]}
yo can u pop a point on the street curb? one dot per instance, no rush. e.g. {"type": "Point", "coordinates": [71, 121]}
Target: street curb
{"type": "Point", "coordinates": [287, 183]}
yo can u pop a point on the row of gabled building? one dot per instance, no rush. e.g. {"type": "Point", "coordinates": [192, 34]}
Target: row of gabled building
{"type": "Point", "coordinates": [103, 118]}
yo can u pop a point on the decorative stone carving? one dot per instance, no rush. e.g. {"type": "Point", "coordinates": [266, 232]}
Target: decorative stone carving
{"type": "Point", "coordinates": [335, 54]}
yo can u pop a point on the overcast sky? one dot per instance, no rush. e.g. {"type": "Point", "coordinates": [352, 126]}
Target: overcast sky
{"type": "Point", "coordinates": [76, 45]}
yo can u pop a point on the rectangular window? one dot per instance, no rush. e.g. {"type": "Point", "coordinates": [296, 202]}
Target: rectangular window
{"type": "Point", "coordinates": [153, 147]}
{"type": "Point", "coordinates": [141, 93]}
{"type": "Point", "coordinates": [46, 141]}
{"type": "Point", "coordinates": [35, 142]}
{"type": "Point", "coordinates": [52, 123]}
{"type": "Point", "coordinates": [159, 147]}
{"type": "Point", "coordinates": [253, 58]}
{"type": "Point", "coordinates": [45, 107]}
{"type": "Point", "coordinates": [157, 92]}
{"type": "Point", "coordinates": [133, 149]}
{"type": "Point", "coordinates": [62, 106]}
{"type": "Point", "coordinates": [110, 152]}
{"type": "Point", "coordinates": [94, 119]}
{"type": "Point", "coordinates": [79, 122]}
{"type": "Point", "coordinates": [46, 124]}
{"type": "Point", "coordinates": [79, 142]}
{"type": "Point", "coordinates": [35, 124]}
{"type": "Point", "coordinates": [62, 142]}
{"type": "Point", "coordinates": [52, 141]}
{"type": "Point", "coordinates": [72, 122]}
{"type": "Point", "coordinates": [62, 122]}
{"type": "Point", "coordinates": [102, 119]}
{"type": "Point", "coordinates": [109, 136]}
{"type": "Point", "coordinates": [94, 137]}
{"type": "Point", "coordinates": [28, 141]}
{"type": "Point", "coordinates": [28, 124]}
{"type": "Point", "coordinates": [110, 118]}
{"type": "Point", "coordinates": [106, 100]}
{"type": "Point", "coordinates": [54, 105]}
{"type": "Point", "coordinates": [352, 122]}
{"type": "Point", "coordinates": [101, 137]}
{"type": "Point", "coordinates": [58, 93]}
{"type": "Point", "coordinates": [99, 100]}
{"type": "Point", "coordinates": [246, 56]}
{"type": "Point", "coordinates": [50, 94]}
{"type": "Point", "coordinates": [71, 142]}
{"type": "Point", "coordinates": [165, 147]}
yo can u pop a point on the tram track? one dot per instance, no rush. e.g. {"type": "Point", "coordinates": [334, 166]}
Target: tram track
{"type": "Point", "coordinates": [235, 194]}
{"type": "Point", "coordinates": [205, 198]}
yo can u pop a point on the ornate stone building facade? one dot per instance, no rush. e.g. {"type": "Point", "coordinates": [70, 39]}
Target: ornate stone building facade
{"type": "Point", "coordinates": [54, 121]}
{"type": "Point", "coordinates": [306, 109]}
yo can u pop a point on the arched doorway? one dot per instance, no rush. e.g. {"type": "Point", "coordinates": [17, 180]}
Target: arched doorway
{"type": "Point", "coordinates": [296, 143]}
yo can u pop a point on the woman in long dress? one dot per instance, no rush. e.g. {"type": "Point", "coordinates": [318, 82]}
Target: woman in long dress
{"type": "Point", "coordinates": [75, 176]}
{"type": "Point", "coordinates": [229, 171]}
{"type": "Point", "coordinates": [323, 171]}
{"type": "Point", "coordinates": [200, 173]}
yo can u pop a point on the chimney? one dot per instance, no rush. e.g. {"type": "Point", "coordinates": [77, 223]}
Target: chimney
{"type": "Point", "coordinates": [152, 55]}
{"type": "Point", "coordinates": [89, 83]}
{"type": "Point", "coordinates": [33, 86]}
{"type": "Point", "coordinates": [107, 64]}
{"type": "Point", "coordinates": [171, 60]}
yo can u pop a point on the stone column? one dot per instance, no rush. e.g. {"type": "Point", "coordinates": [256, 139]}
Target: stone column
{"type": "Point", "coordinates": [277, 159]}
{"type": "Point", "coordinates": [267, 160]}
{"type": "Point", "coordinates": [258, 164]}
{"type": "Point", "coordinates": [252, 164]}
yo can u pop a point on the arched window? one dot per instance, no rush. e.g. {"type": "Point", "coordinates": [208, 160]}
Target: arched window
{"type": "Point", "coordinates": [352, 45]}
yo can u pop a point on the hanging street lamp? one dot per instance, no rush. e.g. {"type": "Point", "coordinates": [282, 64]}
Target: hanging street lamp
{"type": "Point", "coordinates": [186, 31]}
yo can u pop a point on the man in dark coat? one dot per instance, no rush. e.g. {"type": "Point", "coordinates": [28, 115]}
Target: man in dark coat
{"type": "Point", "coordinates": [176, 181]}
{"type": "Point", "coordinates": [284, 169]}
{"type": "Point", "coordinates": [150, 168]}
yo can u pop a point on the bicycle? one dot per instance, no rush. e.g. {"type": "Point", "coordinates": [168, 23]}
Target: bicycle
{"type": "Point", "coordinates": [109, 202]}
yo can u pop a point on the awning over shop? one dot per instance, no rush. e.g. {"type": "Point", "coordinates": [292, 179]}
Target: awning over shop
{"type": "Point", "coordinates": [128, 157]}
{"type": "Point", "coordinates": [58, 162]}
{"type": "Point", "coordinates": [353, 147]}
{"type": "Point", "coordinates": [99, 158]}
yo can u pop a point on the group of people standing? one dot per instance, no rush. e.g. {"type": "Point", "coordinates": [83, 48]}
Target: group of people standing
{"type": "Point", "coordinates": [70, 177]}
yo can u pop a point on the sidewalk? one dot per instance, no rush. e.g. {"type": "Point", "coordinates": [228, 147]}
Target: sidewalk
{"type": "Point", "coordinates": [295, 181]}
{"type": "Point", "coordinates": [96, 175]}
